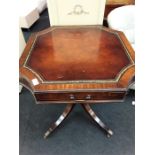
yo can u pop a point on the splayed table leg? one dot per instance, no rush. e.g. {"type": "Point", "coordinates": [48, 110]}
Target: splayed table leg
{"type": "Point", "coordinates": [63, 116]}
{"type": "Point", "coordinates": [92, 114]}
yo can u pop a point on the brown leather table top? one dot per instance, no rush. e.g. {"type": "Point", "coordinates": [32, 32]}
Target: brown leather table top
{"type": "Point", "coordinates": [77, 58]}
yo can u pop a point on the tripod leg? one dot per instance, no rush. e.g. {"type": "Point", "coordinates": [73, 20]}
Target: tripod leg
{"type": "Point", "coordinates": [65, 113]}
{"type": "Point", "coordinates": [92, 114]}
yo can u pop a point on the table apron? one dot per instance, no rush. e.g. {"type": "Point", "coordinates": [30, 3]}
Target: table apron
{"type": "Point", "coordinates": [70, 97]}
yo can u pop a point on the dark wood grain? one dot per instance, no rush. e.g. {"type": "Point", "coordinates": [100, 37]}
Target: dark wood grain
{"type": "Point", "coordinates": [97, 120]}
{"type": "Point", "coordinates": [110, 7]}
{"type": "Point", "coordinates": [113, 4]}
{"type": "Point", "coordinates": [62, 117]}
{"type": "Point", "coordinates": [77, 64]}
{"type": "Point", "coordinates": [83, 59]}
{"type": "Point", "coordinates": [80, 96]}
{"type": "Point", "coordinates": [78, 54]}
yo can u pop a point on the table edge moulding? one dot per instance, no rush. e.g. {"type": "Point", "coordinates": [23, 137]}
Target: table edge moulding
{"type": "Point", "coordinates": [83, 92]}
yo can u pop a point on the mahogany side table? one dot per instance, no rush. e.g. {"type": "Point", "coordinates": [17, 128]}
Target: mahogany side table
{"type": "Point", "coordinates": [77, 65]}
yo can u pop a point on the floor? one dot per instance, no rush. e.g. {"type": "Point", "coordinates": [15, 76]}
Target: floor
{"type": "Point", "coordinates": [78, 134]}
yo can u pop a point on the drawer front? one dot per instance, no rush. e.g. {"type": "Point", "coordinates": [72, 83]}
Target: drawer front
{"type": "Point", "coordinates": [80, 96]}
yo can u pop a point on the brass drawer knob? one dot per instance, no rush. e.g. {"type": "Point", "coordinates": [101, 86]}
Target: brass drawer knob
{"type": "Point", "coordinates": [72, 97]}
{"type": "Point", "coordinates": [88, 97]}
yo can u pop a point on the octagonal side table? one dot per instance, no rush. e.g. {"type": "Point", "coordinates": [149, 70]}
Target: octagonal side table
{"type": "Point", "coordinates": [77, 65]}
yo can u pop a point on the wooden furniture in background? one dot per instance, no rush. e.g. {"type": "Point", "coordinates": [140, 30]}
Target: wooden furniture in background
{"type": "Point", "coordinates": [77, 65]}
{"type": "Point", "coordinates": [123, 19]}
{"type": "Point", "coordinates": [112, 4]}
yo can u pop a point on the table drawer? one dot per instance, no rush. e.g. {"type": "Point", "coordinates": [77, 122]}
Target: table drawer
{"type": "Point", "coordinates": [80, 96]}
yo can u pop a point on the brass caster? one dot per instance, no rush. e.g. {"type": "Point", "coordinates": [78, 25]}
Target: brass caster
{"type": "Point", "coordinates": [110, 133]}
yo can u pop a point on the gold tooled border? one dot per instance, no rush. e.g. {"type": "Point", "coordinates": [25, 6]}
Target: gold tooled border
{"type": "Point", "coordinates": [79, 81]}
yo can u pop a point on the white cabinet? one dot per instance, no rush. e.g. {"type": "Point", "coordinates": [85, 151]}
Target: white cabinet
{"type": "Point", "coordinates": [76, 12]}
